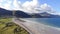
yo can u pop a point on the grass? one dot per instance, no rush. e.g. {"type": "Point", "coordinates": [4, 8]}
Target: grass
{"type": "Point", "coordinates": [8, 27]}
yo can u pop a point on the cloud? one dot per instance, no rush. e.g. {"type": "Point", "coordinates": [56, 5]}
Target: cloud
{"type": "Point", "coordinates": [9, 4]}
{"type": "Point", "coordinates": [5, 4]}
{"type": "Point", "coordinates": [28, 6]}
{"type": "Point", "coordinates": [46, 8]}
{"type": "Point", "coordinates": [30, 3]}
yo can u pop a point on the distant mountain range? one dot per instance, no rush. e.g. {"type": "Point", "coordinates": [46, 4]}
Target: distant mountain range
{"type": "Point", "coordinates": [45, 15]}
{"type": "Point", "coordinates": [21, 14]}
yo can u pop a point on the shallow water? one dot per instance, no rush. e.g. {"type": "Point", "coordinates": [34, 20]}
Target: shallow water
{"type": "Point", "coordinates": [48, 21]}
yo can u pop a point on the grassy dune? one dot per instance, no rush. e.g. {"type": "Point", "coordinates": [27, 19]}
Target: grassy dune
{"type": "Point", "coordinates": [8, 27]}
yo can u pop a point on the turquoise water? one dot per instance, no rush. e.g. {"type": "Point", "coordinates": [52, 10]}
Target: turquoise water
{"type": "Point", "coordinates": [48, 21]}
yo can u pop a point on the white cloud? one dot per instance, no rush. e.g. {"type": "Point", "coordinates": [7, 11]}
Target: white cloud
{"type": "Point", "coordinates": [15, 4]}
{"type": "Point", "coordinates": [28, 6]}
{"type": "Point", "coordinates": [5, 4]}
{"type": "Point", "coordinates": [46, 7]}
{"type": "Point", "coordinates": [31, 3]}
{"type": "Point", "coordinates": [2, 0]}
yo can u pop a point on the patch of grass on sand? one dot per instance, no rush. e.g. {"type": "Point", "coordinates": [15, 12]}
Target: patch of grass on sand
{"type": "Point", "coordinates": [8, 27]}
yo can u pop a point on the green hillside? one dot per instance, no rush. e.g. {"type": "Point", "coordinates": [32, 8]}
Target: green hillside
{"type": "Point", "coordinates": [8, 27]}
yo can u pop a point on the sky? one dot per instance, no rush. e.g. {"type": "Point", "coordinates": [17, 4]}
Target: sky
{"type": "Point", "coordinates": [32, 6]}
{"type": "Point", "coordinates": [54, 3]}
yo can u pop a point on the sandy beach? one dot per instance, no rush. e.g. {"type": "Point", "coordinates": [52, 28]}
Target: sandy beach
{"type": "Point", "coordinates": [37, 28]}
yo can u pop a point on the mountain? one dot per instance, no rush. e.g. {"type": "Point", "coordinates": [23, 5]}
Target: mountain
{"type": "Point", "coordinates": [4, 13]}
{"type": "Point", "coordinates": [21, 14]}
{"type": "Point", "coordinates": [44, 15]}
{"type": "Point", "coordinates": [9, 13]}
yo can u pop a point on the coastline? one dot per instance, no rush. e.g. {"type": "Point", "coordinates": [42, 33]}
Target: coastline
{"type": "Point", "coordinates": [41, 23]}
{"type": "Point", "coordinates": [39, 28]}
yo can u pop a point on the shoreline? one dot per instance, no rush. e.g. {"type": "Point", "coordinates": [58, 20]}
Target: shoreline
{"type": "Point", "coordinates": [42, 23]}
{"type": "Point", "coordinates": [39, 28]}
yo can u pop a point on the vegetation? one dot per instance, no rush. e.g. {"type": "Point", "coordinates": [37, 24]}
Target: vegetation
{"type": "Point", "coordinates": [8, 27]}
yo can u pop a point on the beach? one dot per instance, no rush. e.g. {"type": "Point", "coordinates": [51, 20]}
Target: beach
{"type": "Point", "coordinates": [37, 28]}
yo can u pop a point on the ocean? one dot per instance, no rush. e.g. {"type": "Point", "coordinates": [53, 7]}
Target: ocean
{"type": "Point", "coordinates": [55, 22]}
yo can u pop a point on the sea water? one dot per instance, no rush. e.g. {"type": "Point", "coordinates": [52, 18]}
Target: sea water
{"type": "Point", "coordinates": [47, 21]}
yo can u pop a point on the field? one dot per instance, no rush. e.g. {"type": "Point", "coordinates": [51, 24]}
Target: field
{"type": "Point", "coordinates": [9, 27]}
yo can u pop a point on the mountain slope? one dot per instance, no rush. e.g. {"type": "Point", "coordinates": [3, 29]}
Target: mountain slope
{"type": "Point", "coordinates": [21, 14]}
{"type": "Point", "coordinates": [4, 12]}
{"type": "Point", "coordinates": [18, 13]}
{"type": "Point", "coordinates": [44, 15]}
